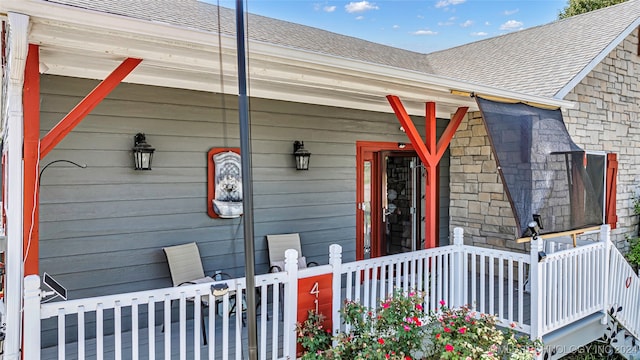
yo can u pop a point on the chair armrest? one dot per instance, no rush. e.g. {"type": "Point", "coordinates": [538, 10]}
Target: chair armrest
{"type": "Point", "coordinates": [312, 263]}
{"type": "Point", "coordinates": [275, 268]}
{"type": "Point", "coordinates": [223, 276]}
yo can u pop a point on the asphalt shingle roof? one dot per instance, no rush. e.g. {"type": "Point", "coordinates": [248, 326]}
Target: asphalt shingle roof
{"type": "Point", "coordinates": [538, 61]}
{"type": "Point", "coordinates": [203, 16]}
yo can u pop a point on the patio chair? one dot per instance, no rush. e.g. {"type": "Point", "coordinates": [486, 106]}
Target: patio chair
{"type": "Point", "coordinates": [277, 245]}
{"type": "Point", "coordinates": [185, 266]}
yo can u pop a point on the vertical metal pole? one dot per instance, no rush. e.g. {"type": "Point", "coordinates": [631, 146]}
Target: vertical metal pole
{"type": "Point", "coordinates": [247, 183]}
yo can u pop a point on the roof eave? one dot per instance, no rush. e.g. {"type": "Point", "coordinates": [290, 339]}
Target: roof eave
{"type": "Point", "coordinates": [378, 80]}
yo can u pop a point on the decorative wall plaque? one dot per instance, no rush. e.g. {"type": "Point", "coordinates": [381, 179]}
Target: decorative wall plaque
{"type": "Point", "coordinates": [224, 183]}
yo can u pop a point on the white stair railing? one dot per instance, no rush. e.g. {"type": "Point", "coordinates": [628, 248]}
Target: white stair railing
{"type": "Point", "coordinates": [624, 293]}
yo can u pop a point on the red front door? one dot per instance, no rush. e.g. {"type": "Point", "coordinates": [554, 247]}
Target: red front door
{"type": "Point", "coordinates": [389, 188]}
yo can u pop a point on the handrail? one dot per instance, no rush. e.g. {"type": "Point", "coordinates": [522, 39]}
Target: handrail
{"type": "Point", "coordinates": [624, 292]}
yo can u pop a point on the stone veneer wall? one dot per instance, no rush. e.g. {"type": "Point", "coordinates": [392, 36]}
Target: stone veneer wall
{"type": "Point", "coordinates": [478, 202]}
{"type": "Point", "coordinates": [606, 119]}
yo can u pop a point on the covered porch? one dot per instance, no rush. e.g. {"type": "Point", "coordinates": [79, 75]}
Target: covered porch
{"type": "Point", "coordinates": [81, 91]}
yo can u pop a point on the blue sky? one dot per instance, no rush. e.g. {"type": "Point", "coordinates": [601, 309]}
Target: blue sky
{"type": "Point", "coordinates": [417, 25]}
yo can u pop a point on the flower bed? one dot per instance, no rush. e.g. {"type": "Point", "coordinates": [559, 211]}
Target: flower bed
{"type": "Point", "coordinates": [399, 328]}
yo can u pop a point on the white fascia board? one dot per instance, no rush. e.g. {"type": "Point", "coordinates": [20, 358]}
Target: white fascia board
{"type": "Point", "coordinates": [404, 76]}
{"type": "Point", "coordinates": [159, 33]}
{"type": "Point", "coordinates": [39, 9]}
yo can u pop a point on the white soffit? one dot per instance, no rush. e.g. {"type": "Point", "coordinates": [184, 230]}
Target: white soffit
{"type": "Point", "coordinates": [189, 59]}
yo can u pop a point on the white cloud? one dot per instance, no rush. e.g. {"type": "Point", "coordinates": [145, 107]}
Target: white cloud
{"type": "Point", "coordinates": [511, 12]}
{"type": "Point", "coordinates": [479, 33]}
{"type": "Point", "coordinates": [329, 8]}
{"type": "Point", "coordinates": [361, 6]}
{"type": "Point", "coordinates": [396, 26]}
{"type": "Point", "coordinates": [425, 32]}
{"type": "Point", "coordinates": [449, 22]}
{"type": "Point", "coordinates": [467, 23]}
{"type": "Point", "coordinates": [420, 16]}
{"type": "Point", "coordinates": [487, 23]}
{"type": "Point", "coordinates": [360, 17]}
{"type": "Point", "coordinates": [511, 25]}
{"type": "Point", "coordinates": [445, 3]}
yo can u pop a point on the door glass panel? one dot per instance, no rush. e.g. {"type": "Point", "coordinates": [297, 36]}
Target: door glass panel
{"type": "Point", "coordinates": [366, 209]}
{"type": "Point", "coordinates": [399, 208]}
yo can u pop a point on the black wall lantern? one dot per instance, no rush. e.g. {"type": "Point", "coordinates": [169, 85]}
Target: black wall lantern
{"type": "Point", "coordinates": [302, 155]}
{"type": "Point", "coordinates": [142, 152]}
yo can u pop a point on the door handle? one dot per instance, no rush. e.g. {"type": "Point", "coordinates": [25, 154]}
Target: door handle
{"type": "Point", "coordinates": [385, 212]}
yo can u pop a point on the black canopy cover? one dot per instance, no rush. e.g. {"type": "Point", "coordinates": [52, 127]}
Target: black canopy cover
{"type": "Point", "coordinates": [545, 174]}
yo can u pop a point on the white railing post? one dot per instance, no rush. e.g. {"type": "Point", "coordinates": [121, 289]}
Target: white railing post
{"type": "Point", "coordinates": [605, 236]}
{"type": "Point", "coordinates": [290, 304]}
{"type": "Point", "coordinates": [335, 260]}
{"type": "Point", "coordinates": [536, 291]}
{"type": "Point", "coordinates": [457, 270]}
{"type": "Point", "coordinates": [32, 317]}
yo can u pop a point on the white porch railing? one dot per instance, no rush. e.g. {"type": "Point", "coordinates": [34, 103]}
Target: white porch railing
{"type": "Point", "coordinates": [225, 329]}
{"type": "Point", "coordinates": [564, 287]}
{"type": "Point", "coordinates": [488, 280]}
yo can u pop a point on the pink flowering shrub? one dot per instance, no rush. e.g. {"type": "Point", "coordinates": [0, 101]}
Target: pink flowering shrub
{"type": "Point", "coordinates": [465, 334]}
{"type": "Point", "coordinates": [394, 330]}
{"type": "Point", "coordinates": [399, 329]}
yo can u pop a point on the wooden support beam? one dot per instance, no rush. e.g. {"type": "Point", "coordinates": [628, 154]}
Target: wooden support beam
{"type": "Point", "coordinates": [430, 127]}
{"type": "Point", "coordinates": [31, 112]}
{"type": "Point", "coordinates": [571, 233]}
{"type": "Point", "coordinates": [75, 116]}
{"type": "Point", "coordinates": [430, 152]}
{"type": "Point", "coordinates": [412, 132]}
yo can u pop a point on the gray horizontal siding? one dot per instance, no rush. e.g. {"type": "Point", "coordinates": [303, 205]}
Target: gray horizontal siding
{"type": "Point", "coordinates": [102, 228]}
